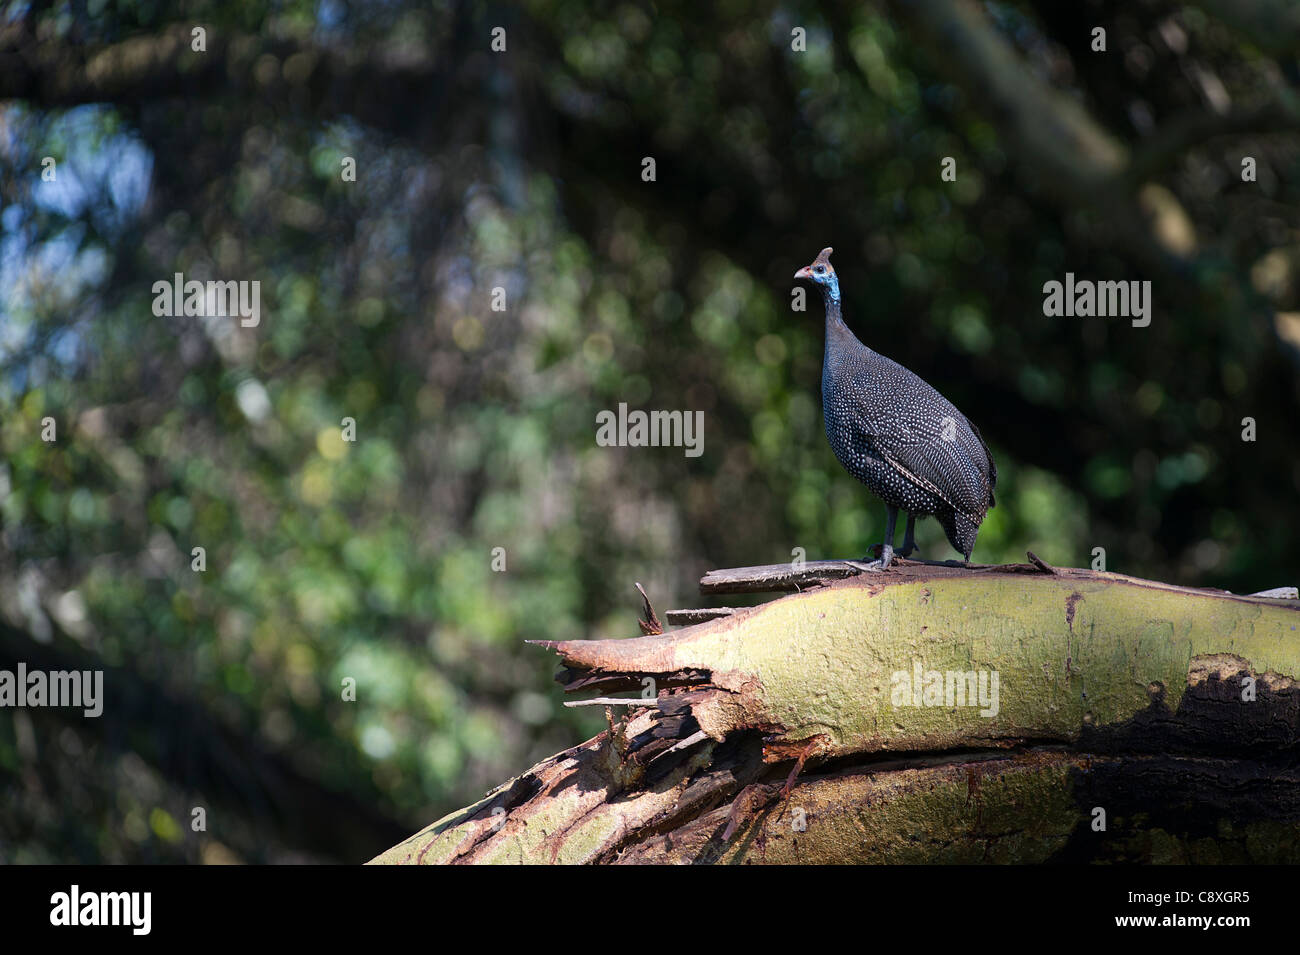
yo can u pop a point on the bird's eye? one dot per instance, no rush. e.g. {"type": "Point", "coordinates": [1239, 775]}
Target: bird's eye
{"type": "Point", "coordinates": [819, 270]}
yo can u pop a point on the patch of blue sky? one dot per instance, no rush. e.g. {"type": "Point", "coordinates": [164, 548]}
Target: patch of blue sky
{"type": "Point", "coordinates": [102, 177]}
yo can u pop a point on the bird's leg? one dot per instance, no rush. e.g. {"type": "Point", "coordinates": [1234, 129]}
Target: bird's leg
{"type": "Point", "coordinates": [909, 542]}
{"type": "Point", "coordinates": [886, 549]}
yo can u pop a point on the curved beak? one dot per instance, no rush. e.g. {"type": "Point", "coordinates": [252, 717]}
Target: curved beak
{"type": "Point", "coordinates": [804, 273]}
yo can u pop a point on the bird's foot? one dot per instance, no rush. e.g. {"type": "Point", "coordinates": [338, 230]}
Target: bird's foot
{"type": "Point", "coordinates": [908, 551]}
{"type": "Point", "coordinates": [872, 566]}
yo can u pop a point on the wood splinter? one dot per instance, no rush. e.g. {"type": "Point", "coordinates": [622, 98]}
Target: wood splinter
{"type": "Point", "coordinates": [650, 626]}
{"type": "Point", "coordinates": [1041, 564]}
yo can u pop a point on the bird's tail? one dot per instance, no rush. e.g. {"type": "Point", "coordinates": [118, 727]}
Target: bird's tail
{"type": "Point", "coordinates": [961, 532]}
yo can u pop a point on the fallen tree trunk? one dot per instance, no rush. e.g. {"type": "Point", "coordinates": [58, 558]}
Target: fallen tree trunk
{"type": "Point", "coordinates": [929, 713]}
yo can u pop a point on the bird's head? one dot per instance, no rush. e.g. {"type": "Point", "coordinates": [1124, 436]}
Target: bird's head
{"type": "Point", "coordinates": [823, 273]}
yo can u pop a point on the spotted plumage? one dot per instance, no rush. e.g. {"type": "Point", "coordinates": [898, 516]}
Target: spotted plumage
{"type": "Point", "coordinates": [893, 432]}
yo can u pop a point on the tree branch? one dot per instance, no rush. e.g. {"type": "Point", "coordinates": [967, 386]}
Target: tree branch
{"type": "Point", "coordinates": [1114, 675]}
{"type": "Point", "coordinates": [376, 86]}
{"type": "Point", "coordinates": [1188, 130]}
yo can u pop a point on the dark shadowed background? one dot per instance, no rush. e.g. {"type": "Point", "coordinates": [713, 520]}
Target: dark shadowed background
{"type": "Point", "coordinates": [372, 561]}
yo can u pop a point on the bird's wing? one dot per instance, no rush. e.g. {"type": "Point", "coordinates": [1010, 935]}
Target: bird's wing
{"type": "Point", "coordinates": [988, 456]}
{"type": "Point", "coordinates": [929, 449]}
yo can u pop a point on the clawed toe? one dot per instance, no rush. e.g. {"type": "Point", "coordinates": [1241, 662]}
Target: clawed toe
{"type": "Point", "coordinates": [870, 566]}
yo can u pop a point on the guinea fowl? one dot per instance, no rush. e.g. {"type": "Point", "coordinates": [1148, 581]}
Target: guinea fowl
{"type": "Point", "coordinates": [893, 432]}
